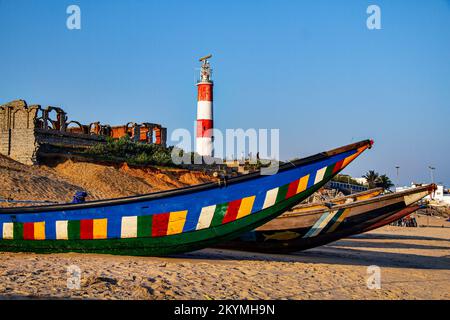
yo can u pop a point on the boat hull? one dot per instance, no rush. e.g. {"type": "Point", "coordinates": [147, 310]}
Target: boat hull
{"type": "Point", "coordinates": [392, 218]}
{"type": "Point", "coordinates": [173, 221]}
{"type": "Point", "coordinates": [311, 229]}
{"type": "Point", "coordinates": [368, 194]}
{"type": "Point", "coordinates": [156, 246]}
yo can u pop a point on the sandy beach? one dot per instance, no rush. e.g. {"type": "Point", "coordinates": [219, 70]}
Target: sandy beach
{"type": "Point", "coordinates": [414, 262]}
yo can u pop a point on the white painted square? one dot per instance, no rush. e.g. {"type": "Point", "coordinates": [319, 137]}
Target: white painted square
{"type": "Point", "coordinates": [61, 230]}
{"type": "Point", "coordinates": [206, 216]}
{"type": "Point", "coordinates": [129, 227]}
{"type": "Point", "coordinates": [320, 174]}
{"type": "Point", "coordinates": [271, 198]}
{"type": "Point", "coordinates": [8, 230]}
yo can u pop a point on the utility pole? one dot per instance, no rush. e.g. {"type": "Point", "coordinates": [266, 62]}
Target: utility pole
{"type": "Point", "coordinates": [432, 173]}
{"type": "Point", "coordinates": [398, 179]}
{"type": "Point", "coordinates": [349, 186]}
{"type": "Point", "coordinates": [432, 181]}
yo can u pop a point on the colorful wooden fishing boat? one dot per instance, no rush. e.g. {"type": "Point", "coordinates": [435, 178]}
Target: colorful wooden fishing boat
{"type": "Point", "coordinates": [172, 221]}
{"type": "Point", "coordinates": [397, 216]}
{"type": "Point", "coordinates": [299, 231]}
{"type": "Point", "coordinates": [339, 200]}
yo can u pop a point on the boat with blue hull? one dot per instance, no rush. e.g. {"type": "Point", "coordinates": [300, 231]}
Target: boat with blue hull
{"type": "Point", "coordinates": [172, 221]}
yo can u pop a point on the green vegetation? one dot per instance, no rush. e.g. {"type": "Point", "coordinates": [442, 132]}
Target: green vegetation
{"type": "Point", "coordinates": [375, 180]}
{"type": "Point", "coordinates": [345, 179]}
{"type": "Point", "coordinates": [138, 153]}
{"type": "Point", "coordinates": [371, 177]}
{"type": "Point", "coordinates": [134, 153]}
{"type": "Point", "coordinates": [384, 182]}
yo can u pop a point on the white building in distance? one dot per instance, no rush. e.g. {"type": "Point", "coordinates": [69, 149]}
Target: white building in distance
{"type": "Point", "coordinates": [440, 196]}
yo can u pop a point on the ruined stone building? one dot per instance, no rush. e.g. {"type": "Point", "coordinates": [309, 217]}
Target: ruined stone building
{"type": "Point", "coordinates": [27, 132]}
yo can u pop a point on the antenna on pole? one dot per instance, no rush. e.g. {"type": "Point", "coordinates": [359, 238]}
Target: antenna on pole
{"type": "Point", "coordinates": [205, 57]}
{"type": "Point", "coordinates": [205, 72]}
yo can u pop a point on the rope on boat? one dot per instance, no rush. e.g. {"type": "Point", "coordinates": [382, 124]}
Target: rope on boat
{"type": "Point", "coordinates": [291, 163]}
{"type": "Point", "coordinates": [222, 182]}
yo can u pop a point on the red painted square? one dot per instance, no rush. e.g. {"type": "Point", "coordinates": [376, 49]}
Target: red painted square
{"type": "Point", "coordinates": [338, 166]}
{"type": "Point", "coordinates": [86, 229]}
{"type": "Point", "coordinates": [28, 231]}
{"type": "Point", "coordinates": [159, 224]}
{"type": "Point", "coordinates": [292, 189]}
{"type": "Point", "coordinates": [232, 211]}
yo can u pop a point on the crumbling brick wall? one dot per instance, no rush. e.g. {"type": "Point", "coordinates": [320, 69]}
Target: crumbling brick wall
{"type": "Point", "coordinates": [22, 141]}
{"type": "Point", "coordinates": [4, 131]}
{"type": "Point", "coordinates": [17, 139]}
{"type": "Point", "coordinates": [66, 139]}
{"type": "Point", "coordinates": [27, 132]}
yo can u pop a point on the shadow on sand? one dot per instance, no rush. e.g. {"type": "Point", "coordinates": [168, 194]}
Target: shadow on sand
{"type": "Point", "coordinates": [381, 236]}
{"type": "Point", "coordinates": [334, 253]}
{"type": "Point", "coordinates": [388, 245]}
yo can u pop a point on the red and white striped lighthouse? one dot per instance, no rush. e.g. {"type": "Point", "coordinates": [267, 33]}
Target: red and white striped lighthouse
{"type": "Point", "coordinates": [204, 143]}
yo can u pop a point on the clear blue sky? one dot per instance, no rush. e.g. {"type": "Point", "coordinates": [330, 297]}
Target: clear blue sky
{"type": "Point", "coordinates": [310, 68]}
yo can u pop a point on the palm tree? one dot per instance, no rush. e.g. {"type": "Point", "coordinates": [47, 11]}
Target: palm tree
{"type": "Point", "coordinates": [384, 182]}
{"type": "Point", "coordinates": [371, 177]}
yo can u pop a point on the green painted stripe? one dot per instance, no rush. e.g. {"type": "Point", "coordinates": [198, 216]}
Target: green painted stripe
{"type": "Point", "coordinates": [282, 191]}
{"type": "Point", "coordinates": [144, 226]}
{"type": "Point", "coordinates": [335, 218]}
{"type": "Point", "coordinates": [219, 213]}
{"type": "Point", "coordinates": [329, 171]}
{"type": "Point", "coordinates": [18, 231]}
{"type": "Point", "coordinates": [73, 229]}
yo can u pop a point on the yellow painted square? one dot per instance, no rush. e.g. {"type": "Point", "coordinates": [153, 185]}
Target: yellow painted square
{"type": "Point", "coordinates": [39, 230]}
{"type": "Point", "coordinates": [177, 220]}
{"type": "Point", "coordinates": [246, 207]}
{"type": "Point", "coordinates": [100, 228]}
{"type": "Point", "coordinates": [303, 183]}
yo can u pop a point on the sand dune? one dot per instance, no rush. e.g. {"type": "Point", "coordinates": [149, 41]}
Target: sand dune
{"type": "Point", "coordinates": [22, 182]}
{"type": "Point", "coordinates": [59, 182]}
